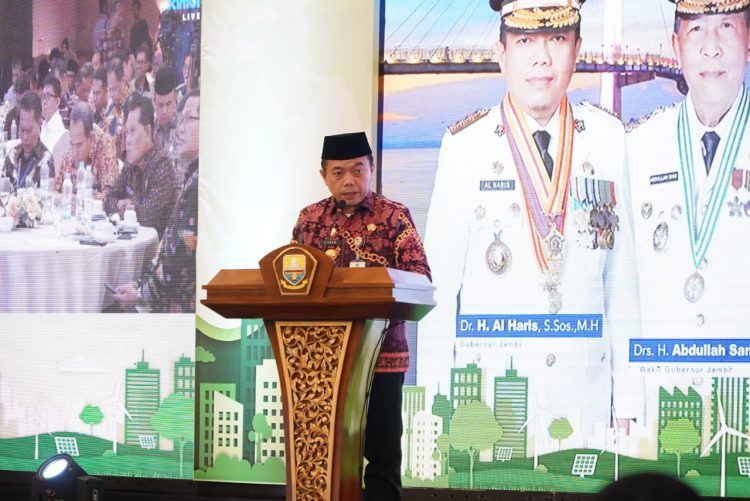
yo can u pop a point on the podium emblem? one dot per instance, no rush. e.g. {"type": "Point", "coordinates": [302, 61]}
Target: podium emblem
{"type": "Point", "coordinates": [294, 269]}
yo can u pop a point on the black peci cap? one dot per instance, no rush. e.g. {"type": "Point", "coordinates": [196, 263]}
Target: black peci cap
{"type": "Point", "coordinates": [345, 146]}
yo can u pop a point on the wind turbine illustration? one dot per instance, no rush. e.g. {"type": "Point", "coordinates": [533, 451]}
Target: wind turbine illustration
{"type": "Point", "coordinates": [118, 409]}
{"type": "Point", "coordinates": [37, 426]}
{"type": "Point", "coordinates": [615, 443]}
{"type": "Point", "coordinates": [724, 430]}
{"type": "Point", "coordinates": [536, 416]}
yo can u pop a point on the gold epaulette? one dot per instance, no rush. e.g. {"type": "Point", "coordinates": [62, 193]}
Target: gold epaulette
{"type": "Point", "coordinates": [457, 127]}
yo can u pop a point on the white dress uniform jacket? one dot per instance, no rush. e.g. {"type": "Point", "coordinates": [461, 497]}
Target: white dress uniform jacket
{"type": "Point", "coordinates": [567, 377]}
{"type": "Point", "coordinates": [665, 260]}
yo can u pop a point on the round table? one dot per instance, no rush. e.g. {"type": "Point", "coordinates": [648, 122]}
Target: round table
{"type": "Point", "coordinates": [40, 272]}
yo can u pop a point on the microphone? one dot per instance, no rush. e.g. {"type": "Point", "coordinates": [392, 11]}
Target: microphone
{"type": "Point", "coordinates": [341, 205]}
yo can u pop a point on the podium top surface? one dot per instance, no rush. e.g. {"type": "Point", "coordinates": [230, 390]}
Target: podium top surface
{"type": "Point", "coordinates": [316, 290]}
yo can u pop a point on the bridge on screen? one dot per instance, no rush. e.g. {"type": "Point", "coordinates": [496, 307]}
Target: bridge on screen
{"type": "Point", "coordinates": [410, 48]}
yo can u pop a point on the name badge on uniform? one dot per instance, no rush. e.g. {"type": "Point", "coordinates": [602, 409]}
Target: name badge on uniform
{"type": "Point", "coordinates": [356, 264]}
{"type": "Point", "coordinates": [667, 177]}
{"type": "Point", "coordinates": [497, 185]}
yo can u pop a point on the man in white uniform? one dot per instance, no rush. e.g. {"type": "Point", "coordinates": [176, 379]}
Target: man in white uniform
{"type": "Point", "coordinates": [690, 176]}
{"type": "Point", "coordinates": [530, 215]}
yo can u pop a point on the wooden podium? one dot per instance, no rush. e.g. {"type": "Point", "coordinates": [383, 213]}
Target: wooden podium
{"type": "Point", "coordinates": [325, 325]}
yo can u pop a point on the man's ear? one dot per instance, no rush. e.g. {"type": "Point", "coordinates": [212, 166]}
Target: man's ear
{"type": "Point", "coordinates": [500, 53]}
{"type": "Point", "coordinates": [676, 47]}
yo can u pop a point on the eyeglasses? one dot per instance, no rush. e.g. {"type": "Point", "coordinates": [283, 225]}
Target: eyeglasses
{"type": "Point", "coordinates": [46, 96]}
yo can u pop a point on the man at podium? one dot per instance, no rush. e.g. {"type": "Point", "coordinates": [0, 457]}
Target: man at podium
{"type": "Point", "coordinates": [356, 228]}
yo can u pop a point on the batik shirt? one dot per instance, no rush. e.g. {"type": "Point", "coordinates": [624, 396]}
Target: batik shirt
{"type": "Point", "coordinates": [166, 139]}
{"type": "Point", "coordinates": [24, 171]}
{"type": "Point", "coordinates": [103, 161]}
{"type": "Point", "coordinates": [169, 287]}
{"type": "Point", "coordinates": [150, 187]}
{"type": "Point", "coordinates": [379, 232]}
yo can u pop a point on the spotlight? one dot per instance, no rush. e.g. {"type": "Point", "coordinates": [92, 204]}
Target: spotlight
{"type": "Point", "coordinates": [60, 478]}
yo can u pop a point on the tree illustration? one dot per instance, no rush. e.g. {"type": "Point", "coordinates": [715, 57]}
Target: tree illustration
{"type": "Point", "coordinates": [560, 429]}
{"type": "Point", "coordinates": [204, 355]}
{"type": "Point", "coordinates": [678, 437]}
{"type": "Point", "coordinates": [174, 421]}
{"type": "Point", "coordinates": [261, 431]}
{"type": "Point", "coordinates": [443, 444]}
{"type": "Point", "coordinates": [91, 415]}
{"type": "Point", "coordinates": [474, 429]}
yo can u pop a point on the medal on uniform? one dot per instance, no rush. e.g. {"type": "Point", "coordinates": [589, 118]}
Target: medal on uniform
{"type": "Point", "coordinates": [480, 212]}
{"type": "Point", "coordinates": [740, 179]}
{"type": "Point", "coordinates": [596, 198]}
{"type": "Point", "coordinates": [702, 232]}
{"type": "Point", "coordinates": [694, 287]}
{"type": "Point", "coordinates": [646, 210]}
{"type": "Point", "coordinates": [546, 199]}
{"type": "Point", "coordinates": [498, 256]}
{"type": "Point", "coordinates": [588, 168]}
{"type": "Point", "coordinates": [584, 233]}
{"type": "Point", "coordinates": [660, 237]}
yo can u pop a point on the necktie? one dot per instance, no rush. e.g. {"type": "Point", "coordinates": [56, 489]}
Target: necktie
{"type": "Point", "coordinates": [542, 139]}
{"type": "Point", "coordinates": [710, 141]}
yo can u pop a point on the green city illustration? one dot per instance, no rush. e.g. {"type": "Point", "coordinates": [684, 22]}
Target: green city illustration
{"type": "Point", "coordinates": [137, 431]}
{"type": "Point", "coordinates": [218, 416]}
{"type": "Point", "coordinates": [461, 440]}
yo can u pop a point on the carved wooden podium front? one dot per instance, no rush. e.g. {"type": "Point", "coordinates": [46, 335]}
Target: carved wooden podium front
{"type": "Point", "coordinates": [325, 325]}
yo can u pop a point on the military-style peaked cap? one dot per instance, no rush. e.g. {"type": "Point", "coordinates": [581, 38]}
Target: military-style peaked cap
{"type": "Point", "coordinates": [532, 15]}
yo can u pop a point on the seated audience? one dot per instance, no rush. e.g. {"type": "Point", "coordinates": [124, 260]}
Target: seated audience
{"type": "Point", "coordinates": [143, 83]}
{"type": "Point", "coordinates": [21, 85]}
{"type": "Point", "coordinates": [146, 183]}
{"type": "Point", "coordinates": [16, 69]}
{"type": "Point", "coordinates": [52, 127]}
{"type": "Point", "coordinates": [169, 285]}
{"type": "Point", "coordinates": [165, 104]}
{"type": "Point", "coordinates": [24, 162]}
{"type": "Point", "coordinates": [88, 144]}
{"type": "Point", "coordinates": [114, 117]}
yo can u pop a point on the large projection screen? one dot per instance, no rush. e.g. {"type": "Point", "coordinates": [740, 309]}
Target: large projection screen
{"type": "Point", "coordinates": [592, 323]}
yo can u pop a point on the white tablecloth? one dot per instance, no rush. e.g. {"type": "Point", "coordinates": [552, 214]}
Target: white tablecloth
{"type": "Point", "coordinates": [43, 273]}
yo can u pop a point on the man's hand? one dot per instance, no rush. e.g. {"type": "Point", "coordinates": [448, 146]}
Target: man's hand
{"type": "Point", "coordinates": [127, 294]}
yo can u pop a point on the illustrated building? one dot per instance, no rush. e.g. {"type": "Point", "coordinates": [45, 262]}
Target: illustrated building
{"type": "Point", "coordinates": [732, 392]}
{"type": "Point", "coordinates": [511, 407]}
{"type": "Point", "coordinates": [413, 401]}
{"type": "Point", "coordinates": [441, 407]}
{"type": "Point", "coordinates": [268, 403]}
{"type": "Point", "coordinates": [679, 405]}
{"type": "Point", "coordinates": [227, 428]}
{"type": "Point", "coordinates": [206, 420]}
{"type": "Point", "coordinates": [426, 428]}
{"type": "Point", "coordinates": [255, 348]}
{"type": "Point", "coordinates": [141, 401]}
{"type": "Point", "coordinates": [184, 377]}
{"type": "Point", "coordinates": [466, 385]}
